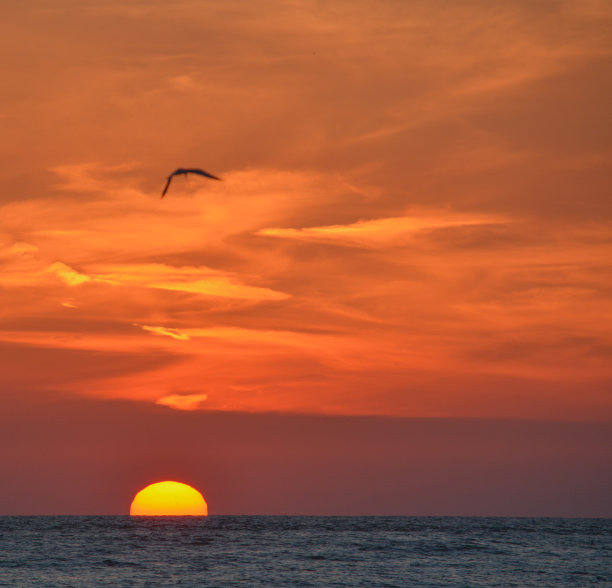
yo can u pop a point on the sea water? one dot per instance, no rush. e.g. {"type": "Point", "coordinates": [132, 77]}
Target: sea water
{"type": "Point", "coordinates": [304, 551]}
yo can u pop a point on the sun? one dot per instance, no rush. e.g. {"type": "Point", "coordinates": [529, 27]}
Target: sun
{"type": "Point", "coordinates": [170, 499]}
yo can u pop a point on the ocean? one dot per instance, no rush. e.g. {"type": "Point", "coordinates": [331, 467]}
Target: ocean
{"type": "Point", "coordinates": [303, 551]}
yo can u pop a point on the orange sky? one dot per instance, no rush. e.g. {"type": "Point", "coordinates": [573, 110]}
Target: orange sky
{"type": "Point", "coordinates": [414, 218]}
{"type": "Point", "coordinates": [81, 456]}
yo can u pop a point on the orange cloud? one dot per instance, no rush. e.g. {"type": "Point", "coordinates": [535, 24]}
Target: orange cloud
{"type": "Point", "coordinates": [185, 279]}
{"type": "Point", "coordinates": [380, 232]}
{"type": "Point", "coordinates": [182, 401]}
{"type": "Point", "coordinates": [426, 234]}
{"type": "Point", "coordinates": [68, 275]}
{"type": "Point", "coordinates": [173, 333]}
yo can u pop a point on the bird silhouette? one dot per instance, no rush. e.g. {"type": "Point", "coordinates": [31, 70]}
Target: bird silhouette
{"type": "Point", "coordinates": [185, 171]}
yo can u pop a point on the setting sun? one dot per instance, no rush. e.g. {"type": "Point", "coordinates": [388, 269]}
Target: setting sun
{"type": "Point", "coordinates": [168, 498]}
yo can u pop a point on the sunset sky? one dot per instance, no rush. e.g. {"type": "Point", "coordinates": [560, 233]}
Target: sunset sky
{"type": "Point", "coordinates": [397, 301]}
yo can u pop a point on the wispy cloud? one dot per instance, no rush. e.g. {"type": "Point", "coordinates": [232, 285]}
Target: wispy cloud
{"type": "Point", "coordinates": [426, 232]}
{"type": "Point", "coordinates": [173, 333]}
{"type": "Point", "coordinates": [380, 232]}
{"type": "Point", "coordinates": [70, 276]}
{"type": "Point", "coordinates": [182, 401]}
{"type": "Point", "coordinates": [195, 280]}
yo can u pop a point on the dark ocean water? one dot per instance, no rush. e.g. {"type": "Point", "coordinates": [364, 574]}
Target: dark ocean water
{"type": "Point", "coordinates": [304, 551]}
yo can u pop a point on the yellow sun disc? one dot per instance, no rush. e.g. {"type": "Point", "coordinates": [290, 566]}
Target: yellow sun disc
{"type": "Point", "coordinates": [169, 499]}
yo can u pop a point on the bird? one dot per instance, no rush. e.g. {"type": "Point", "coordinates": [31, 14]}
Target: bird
{"type": "Point", "coordinates": [180, 170]}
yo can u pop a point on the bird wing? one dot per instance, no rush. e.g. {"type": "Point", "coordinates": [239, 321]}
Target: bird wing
{"type": "Point", "coordinates": [167, 185]}
{"type": "Point", "coordinates": [180, 170]}
{"type": "Point", "coordinates": [201, 172]}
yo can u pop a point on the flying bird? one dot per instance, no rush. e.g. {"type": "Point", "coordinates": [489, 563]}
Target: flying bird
{"type": "Point", "coordinates": [180, 170]}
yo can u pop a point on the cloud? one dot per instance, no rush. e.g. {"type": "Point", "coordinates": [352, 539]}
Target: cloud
{"type": "Point", "coordinates": [312, 343]}
{"type": "Point", "coordinates": [182, 401]}
{"type": "Point", "coordinates": [68, 275]}
{"type": "Point", "coordinates": [436, 185]}
{"type": "Point", "coordinates": [17, 250]}
{"type": "Point", "coordinates": [195, 280]}
{"type": "Point", "coordinates": [173, 333]}
{"type": "Point", "coordinates": [222, 287]}
{"type": "Point", "coordinates": [380, 232]}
